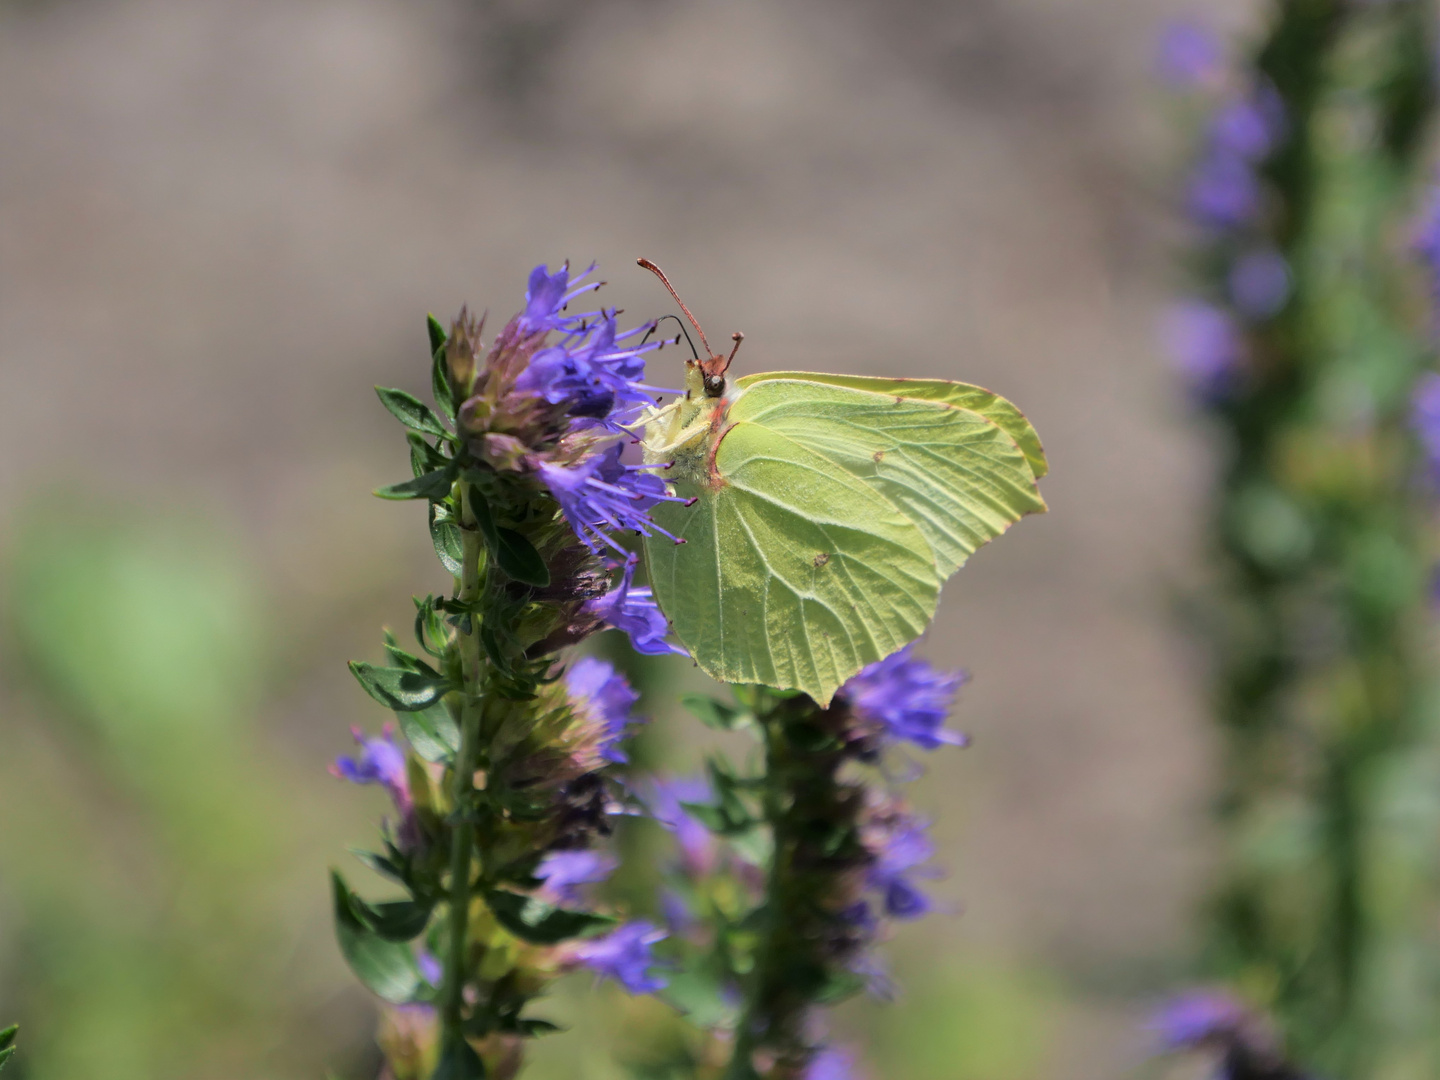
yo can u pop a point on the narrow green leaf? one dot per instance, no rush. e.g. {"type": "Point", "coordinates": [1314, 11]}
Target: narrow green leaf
{"type": "Point", "coordinates": [381, 865]}
{"type": "Point", "coordinates": [518, 558]}
{"type": "Point", "coordinates": [434, 485]}
{"type": "Point", "coordinates": [5, 1055]}
{"type": "Point", "coordinates": [716, 714]}
{"type": "Point", "coordinates": [398, 688]}
{"type": "Point", "coordinates": [449, 547]}
{"type": "Point", "coordinates": [432, 732]}
{"type": "Point", "coordinates": [411, 411]}
{"type": "Point", "coordinates": [439, 379]}
{"type": "Point", "coordinates": [436, 330]}
{"type": "Point", "coordinates": [530, 1028]}
{"type": "Point", "coordinates": [725, 820]}
{"type": "Point", "coordinates": [423, 454]}
{"type": "Point", "coordinates": [480, 508]}
{"type": "Point", "coordinates": [7, 1037]}
{"type": "Point", "coordinates": [459, 1061]}
{"type": "Point", "coordinates": [406, 660]}
{"type": "Point", "coordinates": [539, 923]}
{"type": "Point", "coordinates": [387, 968]}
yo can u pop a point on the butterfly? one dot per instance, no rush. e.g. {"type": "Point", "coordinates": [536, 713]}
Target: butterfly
{"type": "Point", "coordinates": [823, 513]}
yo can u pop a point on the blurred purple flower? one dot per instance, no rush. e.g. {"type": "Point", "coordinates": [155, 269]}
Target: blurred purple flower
{"type": "Point", "coordinates": [1425, 419]}
{"type": "Point", "coordinates": [634, 611]}
{"type": "Point", "coordinates": [1192, 1019]}
{"type": "Point", "coordinates": [908, 697]}
{"type": "Point", "coordinates": [1249, 128]}
{"type": "Point", "coordinates": [431, 969]}
{"type": "Point", "coordinates": [1259, 283]}
{"type": "Point", "coordinates": [898, 848]}
{"type": "Point", "coordinates": [1189, 56]}
{"type": "Point", "coordinates": [1205, 347]}
{"type": "Point", "coordinates": [1426, 239]}
{"type": "Point", "coordinates": [599, 496]}
{"type": "Point", "coordinates": [602, 699]}
{"type": "Point", "coordinates": [830, 1063]}
{"type": "Point", "coordinates": [1224, 191]}
{"type": "Point", "coordinates": [565, 871]}
{"type": "Point", "coordinates": [698, 850]}
{"type": "Point", "coordinates": [625, 955]}
{"type": "Point", "coordinates": [380, 761]}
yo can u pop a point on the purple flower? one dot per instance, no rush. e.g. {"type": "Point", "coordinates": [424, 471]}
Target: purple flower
{"type": "Point", "coordinates": [565, 871]}
{"type": "Point", "coordinates": [625, 956]}
{"type": "Point", "coordinates": [1205, 346]}
{"type": "Point", "coordinates": [547, 295]}
{"type": "Point", "coordinates": [430, 968]}
{"type": "Point", "coordinates": [830, 1063]}
{"type": "Point", "coordinates": [1260, 283]}
{"type": "Point", "coordinates": [908, 697]}
{"type": "Point", "coordinates": [698, 850]}
{"type": "Point", "coordinates": [898, 849]}
{"type": "Point", "coordinates": [1189, 56]}
{"type": "Point", "coordinates": [590, 369]}
{"type": "Point", "coordinates": [1224, 191]}
{"type": "Point", "coordinates": [599, 495]}
{"type": "Point", "coordinates": [602, 699]}
{"type": "Point", "coordinates": [380, 761]}
{"type": "Point", "coordinates": [1425, 419]}
{"type": "Point", "coordinates": [1426, 239]}
{"type": "Point", "coordinates": [1195, 1018]}
{"type": "Point", "coordinates": [1249, 128]}
{"type": "Point", "coordinates": [633, 610]}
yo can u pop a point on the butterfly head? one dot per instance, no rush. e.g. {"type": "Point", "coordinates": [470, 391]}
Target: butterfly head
{"type": "Point", "coordinates": [712, 369]}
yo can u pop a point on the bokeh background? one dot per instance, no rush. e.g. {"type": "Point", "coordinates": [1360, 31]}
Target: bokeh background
{"type": "Point", "coordinates": [223, 221]}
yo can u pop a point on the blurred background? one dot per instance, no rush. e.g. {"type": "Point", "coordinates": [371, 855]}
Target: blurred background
{"type": "Point", "coordinates": [221, 222]}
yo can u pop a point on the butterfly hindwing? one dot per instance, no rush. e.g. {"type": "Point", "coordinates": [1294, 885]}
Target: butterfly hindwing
{"type": "Point", "coordinates": [794, 573]}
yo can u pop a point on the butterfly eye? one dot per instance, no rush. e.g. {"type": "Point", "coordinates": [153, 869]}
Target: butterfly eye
{"type": "Point", "coordinates": [714, 385]}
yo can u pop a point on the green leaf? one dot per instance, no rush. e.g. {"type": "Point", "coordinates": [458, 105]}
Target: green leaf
{"type": "Point", "coordinates": [439, 379]}
{"type": "Point", "coordinates": [393, 920]}
{"type": "Point", "coordinates": [716, 714]}
{"type": "Point", "coordinates": [458, 1061]}
{"type": "Point", "coordinates": [480, 509]}
{"type": "Point", "coordinates": [539, 923]}
{"type": "Point", "coordinates": [518, 558]}
{"type": "Point", "coordinates": [437, 334]}
{"type": "Point", "coordinates": [723, 820]}
{"type": "Point", "coordinates": [528, 1027]}
{"type": "Point", "coordinates": [411, 411]}
{"type": "Point", "coordinates": [406, 660]}
{"type": "Point", "coordinates": [449, 545]}
{"type": "Point", "coordinates": [434, 485]}
{"type": "Point", "coordinates": [432, 732]}
{"type": "Point", "coordinates": [387, 968]}
{"type": "Point", "coordinates": [399, 688]}
{"type": "Point", "coordinates": [381, 865]}
{"type": "Point", "coordinates": [7, 1043]}
{"type": "Point", "coordinates": [424, 457]}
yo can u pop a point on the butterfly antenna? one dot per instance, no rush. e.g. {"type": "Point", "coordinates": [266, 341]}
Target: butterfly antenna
{"type": "Point", "coordinates": [682, 330]}
{"type": "Point", "coordinates": [648, 265]}
{"type": "Point", "coordinates": [736, 337]}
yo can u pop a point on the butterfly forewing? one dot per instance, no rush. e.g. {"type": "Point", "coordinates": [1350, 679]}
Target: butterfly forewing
{"type": "Point", "coordinates": [963, 395]}
{"type": "Point", "coordinates": [957, 475]}
{"type": "Point", "coordinates": [795, 573]}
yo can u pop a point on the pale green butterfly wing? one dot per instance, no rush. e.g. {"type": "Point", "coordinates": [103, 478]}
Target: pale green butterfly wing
{"type": "Point", "coordinates": [974, 398]}
{"type": "Point", "coordinates": [959, 476]}
{"type": "Point", "coordinates": [794, 573]}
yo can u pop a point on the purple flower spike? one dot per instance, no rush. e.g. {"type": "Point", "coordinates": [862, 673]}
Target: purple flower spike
{"type": "Point", "coordinates": [1260, 283]}
{"type": "Point", "coordinates": [908, 697]}
{"type": "Point", "coordinates": [565, 871]}
{"type": "Point", "coordinates": [1205, 347]}
{"type": "Point", "coordinates": [602, 699]}
{"type": "Point", "coordinates": [830, 1063]}
{"type": "Point", "coordinates": [380, 761]}
{"type": "Point", "coordinates": [625, 956]}
{"type": "Point", "coordinates": [1251, 127]}
{"type": "Point", "coordinates": [1189, 56]}
{"type": "Point", "coordinates": [634, 610]}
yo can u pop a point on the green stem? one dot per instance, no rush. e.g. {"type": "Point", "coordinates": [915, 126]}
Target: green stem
{"type": "Point", "coordinates": [463, 834]}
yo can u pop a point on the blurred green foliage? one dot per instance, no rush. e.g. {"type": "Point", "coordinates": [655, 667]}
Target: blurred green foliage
{"type": "Point", "coordinates": [155, 852]}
